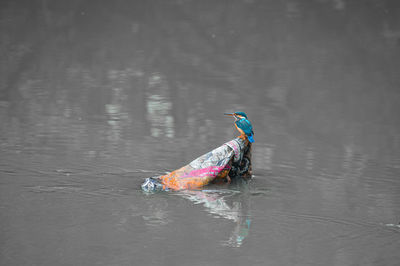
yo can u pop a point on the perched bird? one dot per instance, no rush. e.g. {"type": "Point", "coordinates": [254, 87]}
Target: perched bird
{"type": "Point", "coordinates": [243, 125]}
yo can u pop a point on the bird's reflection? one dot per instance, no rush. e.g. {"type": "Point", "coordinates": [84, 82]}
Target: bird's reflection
{"type": "Point", "coordinates": [229, 204]}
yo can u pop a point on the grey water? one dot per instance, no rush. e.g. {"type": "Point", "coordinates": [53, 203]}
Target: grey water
{"type": "Point", "coordinates": [95, 96]}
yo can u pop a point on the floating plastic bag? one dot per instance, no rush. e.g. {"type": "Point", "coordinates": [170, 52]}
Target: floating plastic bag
{"type": "Point", "coordinates": [214, 166]}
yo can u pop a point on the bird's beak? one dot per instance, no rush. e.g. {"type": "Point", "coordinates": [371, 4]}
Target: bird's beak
{"type": "Point", "coordinates": [229, 114]}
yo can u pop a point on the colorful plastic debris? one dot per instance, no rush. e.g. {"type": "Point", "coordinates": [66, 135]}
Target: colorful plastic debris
{"type": "Point", "coordinates": [228, 161]}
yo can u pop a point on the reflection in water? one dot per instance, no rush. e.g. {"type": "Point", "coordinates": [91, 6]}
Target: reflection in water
{"type": "Point", "coordinates": [156, 215]}
{"type": "Point", "coordinates": [310, 159]}
{"type": "Point", "coordinates": [216, 203]}
{"type": "Point", "coordinates": [159, 108]}
{"type": "Point", "coordinates": [228, 204]}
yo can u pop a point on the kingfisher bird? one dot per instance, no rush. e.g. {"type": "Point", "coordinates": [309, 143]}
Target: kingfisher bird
{"type": "Point", "coordinates": [243, 125]}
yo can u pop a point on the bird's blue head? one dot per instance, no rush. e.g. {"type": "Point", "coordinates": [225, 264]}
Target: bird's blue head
{"type": "Point", "coordinates": [241, 114]}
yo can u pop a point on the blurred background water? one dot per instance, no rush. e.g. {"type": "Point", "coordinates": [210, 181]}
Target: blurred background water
{"type": "Point", "coordinates": [97, 95]}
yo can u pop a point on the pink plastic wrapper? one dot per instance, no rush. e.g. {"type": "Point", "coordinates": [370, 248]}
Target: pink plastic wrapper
{"type": "Point", "coordinates": [217, 166]}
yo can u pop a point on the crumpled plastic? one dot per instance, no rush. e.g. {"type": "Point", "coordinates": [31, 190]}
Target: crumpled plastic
{"type": "Point", "coordinates": [212, 167]}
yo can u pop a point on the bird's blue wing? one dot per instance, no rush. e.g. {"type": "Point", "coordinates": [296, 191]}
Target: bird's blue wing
{"type": "Point", "coordinates": [245, 125]}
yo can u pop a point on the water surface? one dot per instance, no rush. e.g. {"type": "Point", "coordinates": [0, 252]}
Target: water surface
{"type": "Point", "coordinates": [96, 96]}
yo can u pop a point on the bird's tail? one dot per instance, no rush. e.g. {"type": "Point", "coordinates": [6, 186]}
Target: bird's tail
{"type": "Point", "coordinates": [250, 138]}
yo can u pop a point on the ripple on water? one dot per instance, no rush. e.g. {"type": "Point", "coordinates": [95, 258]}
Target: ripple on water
{"type": "Point", "coordinates": [49, 189]}
{"type": "Point", "coordinates": [397, 226]}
